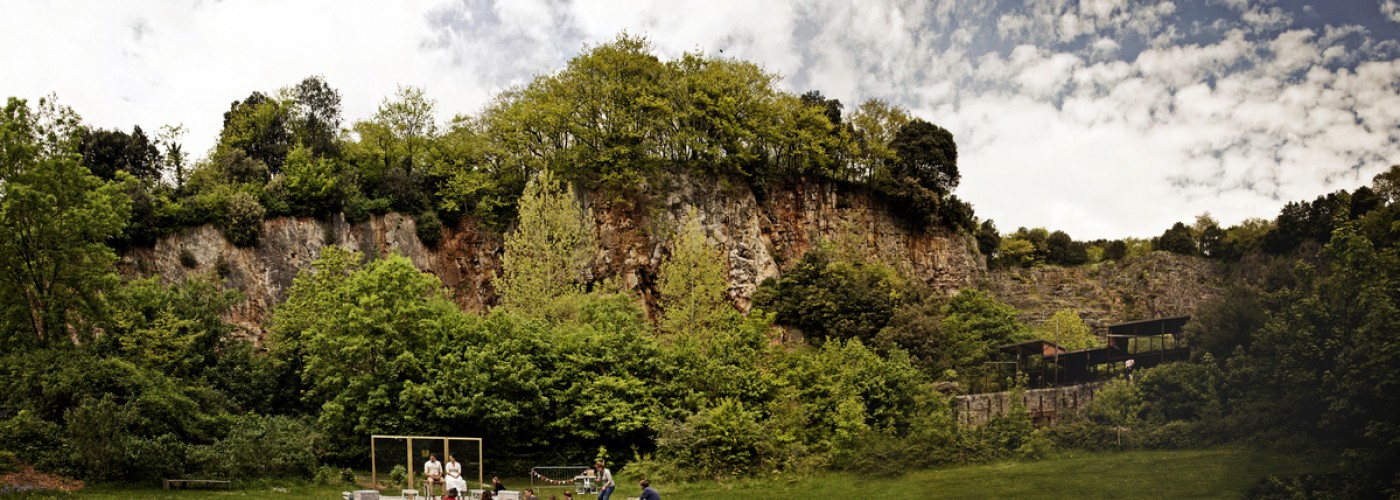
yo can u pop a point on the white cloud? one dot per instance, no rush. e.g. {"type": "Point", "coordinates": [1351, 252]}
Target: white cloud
{"type": "Point", "coordinates": [1391, 10]}
{"type": "Point", "coordinates": [1063, 119]}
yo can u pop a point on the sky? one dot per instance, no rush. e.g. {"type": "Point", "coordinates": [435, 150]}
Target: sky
{"type": "Point", "coordinates": [1101, 118]}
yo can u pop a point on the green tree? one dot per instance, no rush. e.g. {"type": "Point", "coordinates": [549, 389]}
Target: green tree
{"type": "Point", "coordinates": [1177, 240]}
{"type": "Point", "coordinates": [472, 177]}
{"type": "Point", "coordinates": [313, 184]}
{"type": "Point", "coordinates": [314, 118]}
{"type": "Point", "coordinates": [1208, 235]}
{"type": "Point", "coordinates": [394, 149]}
{"type": "Point", "coordinates": [876, 122]}
{"type": "Point", "coordinates": [694, 285]}
{"type": "Point", "coordinates": [361, 336]}
{"type": "Point", "coordinates": [549, 251]}
{"type": "Point", "coordinates": [928, 155]}
{"type": "Point", "coordinates": [55, 218]}
{"type": "Point", "coordinates": [105, 152]}
{"type": "Point", "coordinates": [615, 104]}
{"type": "Point", "coordinates": [974, 325]}
{"type": "Point", "coordinates": [1222, 325]}
{"type": "Point", "coordinates": [1067, 329]}
{"type": "Point", "coordinates": [830, 298]}
{"type": "Point", "coordinates": [172, 328]}
{"type": "Point", "coordinates": [988, 240]}
{"type": "Point", "coordinates": [725, 111]}
{"type": "Point", "coordinates": [257, 126]}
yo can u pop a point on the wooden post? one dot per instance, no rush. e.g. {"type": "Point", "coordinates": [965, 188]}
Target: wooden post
{"type": "Point", "coordinates": [373, 466]}
{"type": "Point", "coordinates": [480, 465]}
{"type": "Point", "coordinates": [410, 463]}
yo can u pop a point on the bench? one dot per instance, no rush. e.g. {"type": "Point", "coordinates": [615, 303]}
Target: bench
{"type": "Point", "coordinates": [181, 483]}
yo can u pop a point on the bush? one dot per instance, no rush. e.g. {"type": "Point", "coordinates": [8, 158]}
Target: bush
{"type": "Point", "coordinates": [243, 224]}
{"type": "Point", "coordinates": [876, 454]}
{"type": "Point", "coordinates": [9, 462]}
{"type": "Point", "coordinates": [399, 475]}
{"type": "Point", "coordinates": [330, 476]}
{"type": "Point", "coordinates": [1036, 446]}
{"type": "Point", "coordinates": [264, 446]}
{"type": "Point", "coordinates": [360, 208]}
{"type": "Point", "coordinates": [1117, 403]}
{"type": "Point", "coordinates": [1173, 436]}
{"type": "Point", "coordinates": [429, 228]}
{"type": "Point", "coordinates": [724, 440]}
{"type": "Point", "coordinates": [1083, 434]}
{"type": "Point", "coordinates": [34, 441]}
{"type": "Point", "coordinates": [187, 259]}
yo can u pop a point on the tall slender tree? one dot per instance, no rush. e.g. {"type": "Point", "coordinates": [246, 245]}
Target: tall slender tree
{"type": "Point", "coordinates": [549, 251]}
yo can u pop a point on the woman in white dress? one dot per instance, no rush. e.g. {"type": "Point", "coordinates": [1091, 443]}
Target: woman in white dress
{"type": "Point", "coordinates": [454, 476]}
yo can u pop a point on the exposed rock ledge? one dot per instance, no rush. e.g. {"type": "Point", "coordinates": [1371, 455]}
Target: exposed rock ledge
{"type": "Point", "coordinates": [761, 237]}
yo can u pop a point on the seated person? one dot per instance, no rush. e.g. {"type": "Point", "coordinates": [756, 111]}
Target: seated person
{"type": "Point", "coordinates": [432, 473]}
{"type": "Point", "coordinates": [454, 475]}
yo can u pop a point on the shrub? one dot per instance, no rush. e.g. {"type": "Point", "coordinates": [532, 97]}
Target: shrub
{"type": "Point", "coordinates": [724, 440]}
{"type": "Point", "coordinates": [399, 475]}
{"type": "Point", "coordinates": [1173, 435]}
{"type": "Point", "coordinates": [329, 476]}
{"type": "Point", "coordinates": [360, 208]}
{"type": "Point", "coordinates": [877, 454]}
{"type": "Point", "coordinates": [187, 259]}
{"type": "Point", "coordinates": [1117, 403]}
{"type": "Point", "coordinates": [33, 440]}
{"type": "Point", "coordinates": [9, 462]}
{"type": "Point", "coordinates": [258, 446]}
{"type": "Point", "coordinates": [1082, 434]}
{"type": "Point", "coordinates": [244, 220]}
{"type": "Point", "coordinates": [429, 228]}
{"type": "Point", "coordinates": [1036, 446]}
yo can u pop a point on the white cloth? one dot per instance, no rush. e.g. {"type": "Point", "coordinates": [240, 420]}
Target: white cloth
{"type": "Point", "coordinates": [432, 468]}
{"type": "Point", "coordinates": [456, 482]}
{"type": "Point", "coordinates": [606, 480]}
{"type": "Point", "coordinates": [454, 469]}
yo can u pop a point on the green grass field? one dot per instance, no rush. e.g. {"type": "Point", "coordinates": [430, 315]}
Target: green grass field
{"type": "Point", "coordinates": [1210, 473]}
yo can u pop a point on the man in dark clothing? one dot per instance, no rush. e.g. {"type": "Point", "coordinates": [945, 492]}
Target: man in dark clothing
{"type": "Point", "coordinates": [648, 493]}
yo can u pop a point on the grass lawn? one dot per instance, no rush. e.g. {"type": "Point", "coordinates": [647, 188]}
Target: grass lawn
{"type": "Point", "coordinates": [1210, 473]}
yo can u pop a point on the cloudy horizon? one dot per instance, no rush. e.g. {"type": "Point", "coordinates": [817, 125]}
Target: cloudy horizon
{"type": "Point", "coordinates": [1102, 118]}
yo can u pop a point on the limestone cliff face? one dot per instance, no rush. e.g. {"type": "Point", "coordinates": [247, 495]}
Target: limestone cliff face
{"type": "Point", "coordinates": [464, 261]}
{"type": "Point", "coordinates": [1155, 285]}
{"type": "Point", "coordinates": [761, 235]}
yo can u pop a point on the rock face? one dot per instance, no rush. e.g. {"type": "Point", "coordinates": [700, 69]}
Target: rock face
{"type": "Point", "coordinates": [761, 235]}
{"type": "Point", "coordinates": [1155, 285]}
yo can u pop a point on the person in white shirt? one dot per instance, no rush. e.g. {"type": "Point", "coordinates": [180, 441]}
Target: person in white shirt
{"type": "Point", "coordinates": [454, 475]}
{"type": "Point", "coordinates": [432, 473]}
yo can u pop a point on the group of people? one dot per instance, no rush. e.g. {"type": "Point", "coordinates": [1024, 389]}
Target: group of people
{"type": "Point", "coordinates": [454, 485]}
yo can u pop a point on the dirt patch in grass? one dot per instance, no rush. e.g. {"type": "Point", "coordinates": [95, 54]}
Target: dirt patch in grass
{"type": "Point", "coordinates": [29, 479]}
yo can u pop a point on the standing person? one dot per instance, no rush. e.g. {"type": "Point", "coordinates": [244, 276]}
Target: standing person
{"type": "Point", "coordinates": [605, 481]}
{"type": "Point", "coordinates": [432, 472]}
{"type": "Point", "coordinates": [647, 492]}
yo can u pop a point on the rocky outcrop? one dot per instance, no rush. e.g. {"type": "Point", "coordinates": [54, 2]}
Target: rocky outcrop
{"type": "Point", "coordinates": [761, 234]}
{"type": "Point", "coordinates": [464, 260]}
{"type": "Point", "coordinates": [1156, 285]}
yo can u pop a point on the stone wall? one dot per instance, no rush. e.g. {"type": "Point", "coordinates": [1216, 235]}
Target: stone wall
{"type": "Point", "coordinates": [1045, 406]}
